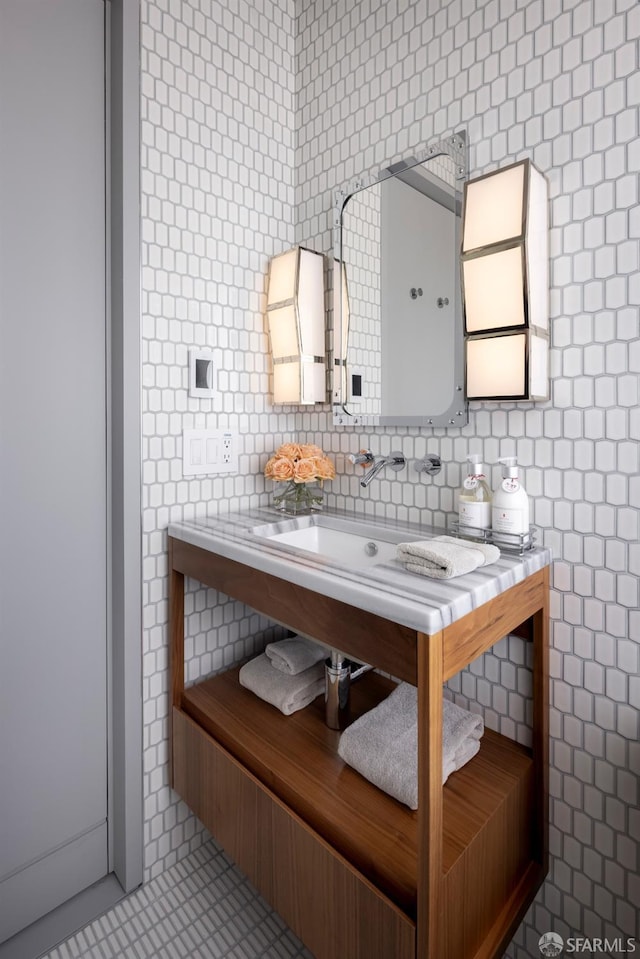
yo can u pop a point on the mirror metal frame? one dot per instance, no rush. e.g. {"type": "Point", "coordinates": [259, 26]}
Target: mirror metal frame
{"type": "Point", "coordinates": [456, 413]}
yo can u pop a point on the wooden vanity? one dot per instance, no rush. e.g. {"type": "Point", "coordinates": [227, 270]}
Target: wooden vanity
{"type": "Point", "coordinates": [355, 874]}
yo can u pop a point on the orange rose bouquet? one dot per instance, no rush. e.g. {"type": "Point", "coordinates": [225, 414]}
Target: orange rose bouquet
{"type": "Point", "coordinates": [298, 466]}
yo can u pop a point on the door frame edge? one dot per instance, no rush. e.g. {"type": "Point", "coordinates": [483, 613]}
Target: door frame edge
{"type": "Point", "coordinates": [125, 702]}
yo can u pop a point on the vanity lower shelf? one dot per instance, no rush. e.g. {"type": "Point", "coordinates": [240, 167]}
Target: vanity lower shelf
{"type": "Point", "coordinates": [487, 805]}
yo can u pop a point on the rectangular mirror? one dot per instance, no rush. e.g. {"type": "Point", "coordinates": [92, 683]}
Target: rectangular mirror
{"type": "Point", "coordinates": [398, 352]}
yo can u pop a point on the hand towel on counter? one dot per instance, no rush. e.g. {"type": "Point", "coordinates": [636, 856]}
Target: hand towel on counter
{"type": "Point", "coordinates": [286, 693]}
{"type": "Point", "coordinates": [382, 745]}
{"type": "Point", "coordinates": [444, 557]}
{"type": "Point", "coordinates": [294, 655]}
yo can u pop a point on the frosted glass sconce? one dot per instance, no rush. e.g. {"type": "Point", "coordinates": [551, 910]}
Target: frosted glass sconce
{"type": "Point", "coordinates": [505, 284]}
{"type": "Point", "coordinates": [296, 318]}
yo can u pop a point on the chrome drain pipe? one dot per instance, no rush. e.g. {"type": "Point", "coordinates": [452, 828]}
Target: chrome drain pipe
{"type": "Point", "coordinates": [339, 673]}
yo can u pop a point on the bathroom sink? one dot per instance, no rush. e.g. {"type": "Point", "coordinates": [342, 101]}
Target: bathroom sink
{"type": "Point", "coordinates": [348, 542]}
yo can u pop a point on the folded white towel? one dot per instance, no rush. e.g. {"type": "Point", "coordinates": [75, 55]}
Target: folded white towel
{"type": "Point", "coordinates": [382, 745]}
{"type": "Point", "coordinates": [294, 655]}
{"type": "Point", "coordinates": [444, 557]}
{"type": "Point", "coordinates": [461, 734]}
{"type": "Point", "coordinates": [286, 693]}
{"type": "Point", "coordinates": [465, 751]}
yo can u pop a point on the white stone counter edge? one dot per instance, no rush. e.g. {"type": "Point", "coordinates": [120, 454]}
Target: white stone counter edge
{"type": "Point", "coordinates": [388, 590]}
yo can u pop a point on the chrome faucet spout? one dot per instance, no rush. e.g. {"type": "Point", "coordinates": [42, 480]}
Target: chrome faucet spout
{"type": "Point", "coordinates": [375, 469]}
{"type": "Point", "coordinates": [395, 461]}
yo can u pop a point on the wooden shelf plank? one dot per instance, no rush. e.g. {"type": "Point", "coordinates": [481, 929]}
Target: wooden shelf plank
{"type": "Point", "coordinates": [296, 758]}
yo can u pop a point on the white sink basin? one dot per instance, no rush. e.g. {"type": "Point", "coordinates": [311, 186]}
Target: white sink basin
{"type": "Point", "coordinates": [349, 543]}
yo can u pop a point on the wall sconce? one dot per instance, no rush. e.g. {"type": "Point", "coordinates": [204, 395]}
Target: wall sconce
{"type": "Point", "coordinates": [296, 318]}
{"type": "Point", "coordinates": [505, 285]}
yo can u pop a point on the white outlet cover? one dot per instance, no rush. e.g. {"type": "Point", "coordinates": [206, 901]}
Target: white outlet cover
{"type": "Point", "coordinates": [228, 452]}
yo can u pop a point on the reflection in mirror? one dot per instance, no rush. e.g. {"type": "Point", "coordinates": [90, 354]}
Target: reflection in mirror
{"type": "Point", "coordinates": [398, 338]}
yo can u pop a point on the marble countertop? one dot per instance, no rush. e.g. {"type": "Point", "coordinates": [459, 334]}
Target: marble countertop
{"type": "Point", "coordinates": [386, 589]}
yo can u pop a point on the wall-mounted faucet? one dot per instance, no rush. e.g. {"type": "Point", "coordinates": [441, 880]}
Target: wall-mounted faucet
{"type": "Point", "coordinates": [395, 461]}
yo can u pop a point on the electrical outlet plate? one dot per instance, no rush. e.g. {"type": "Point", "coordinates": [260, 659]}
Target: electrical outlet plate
{"type": "Point", "coordinates": [228, 450]}
{"type": "Point", "coordinates": [209, 451]}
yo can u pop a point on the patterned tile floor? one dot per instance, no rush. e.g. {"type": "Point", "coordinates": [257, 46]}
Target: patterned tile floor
{"type": "Point", "coordinates": [201, 908]}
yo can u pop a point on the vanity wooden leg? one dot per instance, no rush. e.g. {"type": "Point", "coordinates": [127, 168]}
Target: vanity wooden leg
{"type": "Point", "coordinates": [541, 726]}
{"type": "Point", "coordinates": [176, 643]}
{"type": "Point", "coordinates": [429, 889]}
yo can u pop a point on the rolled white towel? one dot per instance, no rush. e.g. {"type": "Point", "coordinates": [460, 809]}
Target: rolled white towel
{"type": "Point", "coordinates": [286, 693]}
{"type": "Point", "coordinates": [382, 745]}
{"type": "Point", "coordinates": [294, 655]}
{"type": "Point", "coordinates": [444, 557]}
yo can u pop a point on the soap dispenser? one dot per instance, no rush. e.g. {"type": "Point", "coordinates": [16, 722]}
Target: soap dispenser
{"type": "Point", "coordinates": [510, 511]}
{"type": "Point", "coordinates": [474, 498]}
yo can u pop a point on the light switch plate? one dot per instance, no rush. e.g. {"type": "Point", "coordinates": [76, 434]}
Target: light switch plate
{"type": "Point", "coordinates": [355, 385]}
{"type": "Point", "coordinates": [201, 385]}
{"type": "Point", "coordinates": [209, 451]}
